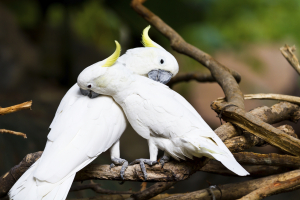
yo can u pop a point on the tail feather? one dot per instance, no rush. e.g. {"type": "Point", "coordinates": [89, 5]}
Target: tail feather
{"type": "Point", "coordinates": [29, 188]}
{"type": "Point", "coordinates": [202, 146]}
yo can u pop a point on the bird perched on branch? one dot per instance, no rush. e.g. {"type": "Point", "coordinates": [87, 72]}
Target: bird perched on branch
{"type": "Point", "coordinates": [161, 116]}
{"type": "Point", "coordinates": [86, 124]}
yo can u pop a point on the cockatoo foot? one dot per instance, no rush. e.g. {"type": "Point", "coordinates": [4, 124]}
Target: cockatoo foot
{"type": "Point", "coordinates": [163, 160]}
{"type": "Point", "coordinates": [142, 162]}
{"type": "Point", "coordinates": [211, 191]}
{"type": "Point", "coordinates": [119, 161]}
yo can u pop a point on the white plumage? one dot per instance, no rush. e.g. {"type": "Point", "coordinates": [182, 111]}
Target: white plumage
{"type": "Point", "coordinates": [83, 128]}
{"type": "Point", "coordinates": [164, 118]}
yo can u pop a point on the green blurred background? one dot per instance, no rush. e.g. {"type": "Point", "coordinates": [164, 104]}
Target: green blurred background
{"type": "Point", "coordinates": [45, 44]}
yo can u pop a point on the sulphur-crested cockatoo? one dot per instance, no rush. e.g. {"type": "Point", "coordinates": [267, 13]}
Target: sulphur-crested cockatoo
{"type": "Point", "coordinates": [86, 124]}
{"type": "Point", "coordinates": [161, 116]}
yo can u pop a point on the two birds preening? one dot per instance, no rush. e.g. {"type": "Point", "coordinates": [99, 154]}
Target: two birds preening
{"type": "Point", "coordinates": [92, 117]}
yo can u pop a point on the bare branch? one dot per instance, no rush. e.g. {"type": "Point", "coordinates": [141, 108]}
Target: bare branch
{"type": "Point", "coordinates": [96, 188]}
{"type": "Point", "coordinates": [219, 72]}
{"type": "Point", "coordinates": [216, 167]}
{"type": "Point", "coordinates": [199, 77]}
{"type": "Point", "coordinates": [274, 188]}
{"type": "Point", "coordinates": [153, 190]}
{"type": "Point", "coordinates": [15, 108]}
{"type": "Point", "coordinates": [248, 140]}
{"type": "Point", "coordinates": [238, 190]}
{"type": "Point", "coordinates": [279, 97]}
{"type": "Point", "coordinates": [287, 52]}
{"type": "Point", "coordinates": [254, 125]}
{"type": "Point", "coordinates": [13, 133]}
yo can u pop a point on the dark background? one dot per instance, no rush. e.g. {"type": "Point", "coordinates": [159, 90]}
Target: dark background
{"type": "Point", "coordinates": [45, 44]}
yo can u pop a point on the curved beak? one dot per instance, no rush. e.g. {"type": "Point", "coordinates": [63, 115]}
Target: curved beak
{"type": "Point", "coordinates": [89, 93]}
{"type": "Point", "coordinates": [160, 75]}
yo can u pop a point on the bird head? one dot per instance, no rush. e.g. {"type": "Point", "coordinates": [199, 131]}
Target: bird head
{"type": "Point", "coordinates": [152, 60]}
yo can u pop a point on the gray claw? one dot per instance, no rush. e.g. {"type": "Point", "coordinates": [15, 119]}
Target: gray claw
{"type": "Point", "coordinates": [120, 161]}
{"type": "Point", "coordinates": [163, 160]}
{"type": "Point", "coordinates": [142, 162]}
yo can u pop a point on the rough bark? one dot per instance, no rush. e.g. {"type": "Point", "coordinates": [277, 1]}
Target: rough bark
{"type": "Point", "coordinates": [96, 188]}
{"type": "Point", "coordinates": [254, 125]}
{"type": "Point", "coordinates": [238, 190]}
{"type": "Point", "coordinates": [153, 190]}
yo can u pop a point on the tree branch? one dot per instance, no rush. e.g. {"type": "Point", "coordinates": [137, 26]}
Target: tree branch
{"type": "Point", "coordinates": [13, 133]}
{"type": "Point", "coordinates": [238, 190]}
{"type": "Point", "coordinates": [274, 188]}
{"type": "Point", "coordinates": [96, 188]}
{"type": "Point", "coordinates": [287, 52]}
{"type": "Point", "coordinates": [254, 125]}
{"type": "Point", "coordinates": [153, 190]}
{"type": "Point", "coordinates": [199, 77]}
{"type": "Point", "coordinates": [15, 108]}
{"type": "Point", "coordinates": [219, 72]}
{"type": "Point", "coordinates": [279, 97]}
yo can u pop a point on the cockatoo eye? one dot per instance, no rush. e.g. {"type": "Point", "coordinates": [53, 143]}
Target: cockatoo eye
{"type": "Point", "coordinates": [162, 61]}
{"type": "Point", "coordinates": [89, 86]}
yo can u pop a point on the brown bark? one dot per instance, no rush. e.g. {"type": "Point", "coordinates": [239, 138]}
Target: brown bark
{"type": "Point", "coordinates": [199, 77]}
{"type": "Point", "coordinates": [96, 188]}
{"type": "Point", "coordinates": [238, 190]}
{"type": "Point", "coordinates": [153, 190]}
{"type": "Point", "coordinates": [15, 108]}
{"type": "Point", "coordinates": [254, 125]}
{"type": "Point", "coordinates": [13, 133]}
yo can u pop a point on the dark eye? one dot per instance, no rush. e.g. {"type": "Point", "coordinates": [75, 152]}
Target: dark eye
{"type": "Point", "coordinates": [89, 86]}
{"type": "Point", "coordinates": [162, 61]}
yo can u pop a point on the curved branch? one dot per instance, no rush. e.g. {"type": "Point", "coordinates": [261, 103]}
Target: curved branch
{"type": "Point", "coordinates": [287, 52]}
{"type": "Point", "coordinates": [15, 108]}
{"type": "Point", "coordinates": [13, 133]}
{"type": "Point", "coordinates": [199, 77]}
{"type": "Point", "coordinates": [219, 72]}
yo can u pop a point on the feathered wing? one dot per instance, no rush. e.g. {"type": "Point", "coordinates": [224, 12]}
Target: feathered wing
{"type": "Point", "coordinates": [82, 129]}
{"type": "Point", "coordinates": [175, 125]}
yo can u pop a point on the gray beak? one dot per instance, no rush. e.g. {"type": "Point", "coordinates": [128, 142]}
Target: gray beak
{"type": "Point", "coordinates": [89, 93]}
{"type": "Point", "coordinates": [160, 75]}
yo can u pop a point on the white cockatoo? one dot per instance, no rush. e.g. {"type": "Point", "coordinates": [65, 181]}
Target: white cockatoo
{"type": "Point", "coordinates": [161, 116]}
{"type": "Point", "coordinates": [86, 124]}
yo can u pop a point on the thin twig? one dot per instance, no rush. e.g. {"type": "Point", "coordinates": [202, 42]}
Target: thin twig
{"type": "Point", "coordinates": [96, 188]}
{"type": "Point", "coordinates": [199, 77]}
{"type": "Point", "coordinates": [13, 133]}
{"type": "Point", "coordinates": [15, 108]}
{"type": "Point", "coordinates": [279, 97]}
{"type": "Point", "coordinates": [287, 52]}
{"type": "Point", "coordinates": [221, 73]}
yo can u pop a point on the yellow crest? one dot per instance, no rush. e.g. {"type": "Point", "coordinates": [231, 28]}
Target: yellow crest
{"type": "Point", "coordinates": [113, 58]}
{"type": "Point", "coordinates": [146, 41]}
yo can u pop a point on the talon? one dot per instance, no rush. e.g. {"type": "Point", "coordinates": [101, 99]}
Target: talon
{"type": "Point", "coordinates": [211, 188]}
{"type": "Point", "coordinates": [163, 160]}
{"type": "Point", "coordinates": [120, 161]}
{"type": "Point", "coordinates": [142, 162]}
{"type": "Point", "coordinates": [112, 165]}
